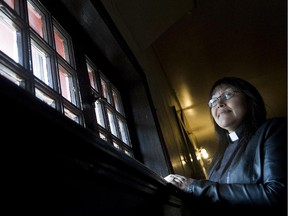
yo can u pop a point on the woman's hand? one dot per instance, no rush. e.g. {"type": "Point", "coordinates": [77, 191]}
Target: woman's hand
{"type": "Point", "coordinates": [179, 181]}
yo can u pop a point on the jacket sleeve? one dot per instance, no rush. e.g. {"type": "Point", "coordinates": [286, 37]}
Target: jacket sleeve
{"type": "Point", "coordinates": [268, 191]}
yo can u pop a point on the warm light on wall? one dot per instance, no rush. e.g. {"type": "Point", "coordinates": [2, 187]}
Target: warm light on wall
{"type": "Point", "coordinates": [202, 154]}
{"type": "Point", "coordinates": [182, 160]}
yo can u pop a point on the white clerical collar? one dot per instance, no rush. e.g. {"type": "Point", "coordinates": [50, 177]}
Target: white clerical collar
{"type": "Point", "coordinates": [233, 136]}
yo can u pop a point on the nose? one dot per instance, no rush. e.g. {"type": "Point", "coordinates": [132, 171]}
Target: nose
{"type": "Point", "coordinates": [220, 102]}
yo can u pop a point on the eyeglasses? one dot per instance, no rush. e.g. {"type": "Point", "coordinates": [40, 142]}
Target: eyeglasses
{"type": "Point", "coordinates": [225, 96]}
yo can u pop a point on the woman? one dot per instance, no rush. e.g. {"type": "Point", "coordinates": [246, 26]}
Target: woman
{"type": "Point", "coordinates": [250, 169]}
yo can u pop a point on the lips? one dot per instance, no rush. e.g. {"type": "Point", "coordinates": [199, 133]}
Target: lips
{"type": "Point", "coordinates": [223, 111]}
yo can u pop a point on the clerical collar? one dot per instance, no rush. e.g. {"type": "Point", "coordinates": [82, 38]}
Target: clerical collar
{"type": "Point", "coordinates": [233, 136]}
{"type": "Point", "coordinates": [237, 134]}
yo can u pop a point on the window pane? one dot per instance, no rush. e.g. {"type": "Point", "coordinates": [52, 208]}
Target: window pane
{"type": "Point", "coordinates": [92, 78]}
{"type": "Point", "coordinates": [71, 115]}
{"type": "Point", "coordinates": [123, 131]}
{"type": "Point", "coordinates": [10, 37]}
{"type": "Point", "coordinates": [36, 19]}
{"type": "Point", "coordinates": [103, 136]}
{"type": "Point", "coordinates": [10, 3]}
{"type": "Point", "coordinates": [12, 76]}
{"type": "Point", "coordinates": [99, 114]}
{"type": "Point", "coordinates": [111, 120]}
{"type": "Point", "coordinates": [105, 90]}
{"type": "Point", "coordinates": [41, 64]}
{"type": "Point", "coordinates": [128, 152]}
{"type": "Point", "coordinates": [45, 98]}
{"type": "Point", "coordinates": [117, 101]}
{"type": "Point", "coordinates": [67, 85]}
{"type": "Point", "coordinates": [116, 145]}
{"type": "Point", "coordinates": [61, 44]}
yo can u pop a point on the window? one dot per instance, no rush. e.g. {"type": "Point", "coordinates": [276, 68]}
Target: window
{"type": "Point", "coordinates": [10, 37]}
{"type": "Point", "coordinates": [62, 43]}
{"type": "Point", "coordinates": [37, 55]}
{"type": "Point", "coordinates": [92, 75]}
{"type": "Point", "coordinates": [40, 61]}
{"type": "Point", "coordinates": [109, 110]}
{"type": "Point", "coordinates": [45, 98]}
{"type": "Point", "coordinates": [105, 89]}
{"type": "Point", "coordinates": [10, 3]}
{"type": "Point", "coordinates": [68, 84]}
{"type": "Point", "coordinates": [37, 19]}
{"type": "Point", "coordinates": [12, 76]}
{"type": "Point", "coordinates": [41, 64]}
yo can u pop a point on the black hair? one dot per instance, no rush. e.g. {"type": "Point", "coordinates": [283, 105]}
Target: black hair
{"type": "Point", "coordinates": [256, 114]}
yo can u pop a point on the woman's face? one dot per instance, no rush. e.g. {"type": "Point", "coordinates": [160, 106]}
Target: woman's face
{"type": "Point", "coordinates": [229, 114]}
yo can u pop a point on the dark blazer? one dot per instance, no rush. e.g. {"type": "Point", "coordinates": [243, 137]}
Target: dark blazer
{"type": "Point", "coordinates": [257, 176]}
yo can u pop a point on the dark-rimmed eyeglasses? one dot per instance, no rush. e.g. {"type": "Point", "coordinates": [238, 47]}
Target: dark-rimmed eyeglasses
{"type": "Point", "coordinates": [224, 96]}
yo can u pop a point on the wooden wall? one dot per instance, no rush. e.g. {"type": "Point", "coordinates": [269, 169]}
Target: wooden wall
{"type": "Point", "coordinates": [53, 166]}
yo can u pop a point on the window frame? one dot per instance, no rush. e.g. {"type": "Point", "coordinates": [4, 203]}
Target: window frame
{"type": "Point", "coordinates": [38, 52]}
{"type": "Point", "coordinates": [105, 104]}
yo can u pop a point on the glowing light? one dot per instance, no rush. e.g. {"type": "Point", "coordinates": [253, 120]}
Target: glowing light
{"type": "Point", "coordinates": [204, 153]}
{"type": "Point", "coordinates": [182, 160]}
